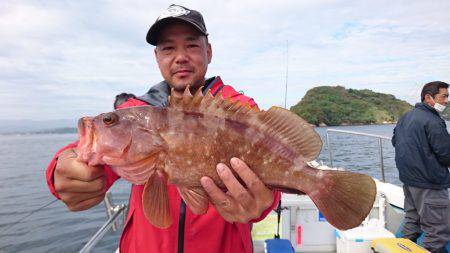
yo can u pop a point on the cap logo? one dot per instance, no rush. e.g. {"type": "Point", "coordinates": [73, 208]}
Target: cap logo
{"type": "Point", "coordinates": [174, 11]}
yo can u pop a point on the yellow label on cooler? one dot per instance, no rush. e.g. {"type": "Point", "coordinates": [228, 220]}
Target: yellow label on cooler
{"type": "Point", "coordinates": [396, 245]}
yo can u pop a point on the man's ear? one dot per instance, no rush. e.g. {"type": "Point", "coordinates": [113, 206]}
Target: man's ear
{"type": "Point", "coordinates": [156, 53]}
{"type": "Point", "coordinates": [429, 99]}
{"type": "Point", "coordinates": [209, 52]}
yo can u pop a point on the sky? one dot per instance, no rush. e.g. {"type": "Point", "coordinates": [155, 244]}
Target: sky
{"type": "Point", "coordinates": [68, 59]}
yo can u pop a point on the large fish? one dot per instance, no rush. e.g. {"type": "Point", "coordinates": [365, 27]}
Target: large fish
{"type": "Point", "coordinates": [185, 141]}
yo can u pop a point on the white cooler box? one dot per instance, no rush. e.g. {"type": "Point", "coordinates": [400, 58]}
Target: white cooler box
{"type": "Point", "coordinates": [359, 239]}
{"type": "Point", "coordinates": [306, 227]}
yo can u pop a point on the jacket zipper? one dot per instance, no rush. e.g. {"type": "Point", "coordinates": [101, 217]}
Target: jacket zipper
{"type": "Point", "coordinates": [181, 223]}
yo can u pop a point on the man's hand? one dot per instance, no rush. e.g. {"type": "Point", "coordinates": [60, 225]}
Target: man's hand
{"type": "Point", "coordinates": [239, 204]}
{"type": "Point", "coordinates": [79, 186]}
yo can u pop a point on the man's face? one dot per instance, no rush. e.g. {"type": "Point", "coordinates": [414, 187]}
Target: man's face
{"type": "Point", "coordinates": [183, 55]}
{"type": "Point", "coordinates": [441, 97]}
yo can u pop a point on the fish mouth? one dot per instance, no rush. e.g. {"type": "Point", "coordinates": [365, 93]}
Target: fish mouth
{"type": "Point", "coordinates": [136, 172]}
{"type": "Point", "coordinates": [86, 138]}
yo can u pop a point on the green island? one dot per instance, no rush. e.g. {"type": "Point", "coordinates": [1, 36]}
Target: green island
{"type": "Point", "coordinates": [336, 105]}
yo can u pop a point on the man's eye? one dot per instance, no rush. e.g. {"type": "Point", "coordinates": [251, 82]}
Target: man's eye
{"type": "Point", "coordinates": [167, 48]}
{"type": "Point", "coordinates": [192, 45]}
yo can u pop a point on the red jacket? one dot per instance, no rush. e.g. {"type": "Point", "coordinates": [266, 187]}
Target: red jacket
{"type": "Point", "coordinates": [203, 233]}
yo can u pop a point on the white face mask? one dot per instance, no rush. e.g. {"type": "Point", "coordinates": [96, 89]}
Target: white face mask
{"type": "Point", "coordinates": [440, 108]}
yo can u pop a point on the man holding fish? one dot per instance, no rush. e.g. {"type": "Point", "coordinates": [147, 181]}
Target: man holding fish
{"type": "Point", "coordinates": [183, 54]}
{"type": "Point", "coordinates": [176, 152]}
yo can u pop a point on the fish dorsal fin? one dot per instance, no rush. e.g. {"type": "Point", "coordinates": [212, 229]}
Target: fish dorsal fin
{"type": "Point", "coordinates": [289, 128]}
{"type": "Point", "coordinates": [208, 104]}
{"type": "Point", "coordinates": [279, 123]}
{"type": "Point", "coordinates": [175, 100]}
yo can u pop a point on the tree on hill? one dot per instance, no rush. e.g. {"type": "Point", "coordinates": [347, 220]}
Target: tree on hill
{"type": "Point", "coordinates": [335, 105]}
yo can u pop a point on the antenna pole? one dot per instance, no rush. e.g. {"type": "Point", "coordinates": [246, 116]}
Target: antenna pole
{"type": "Point", "coordinates": [287, 71]}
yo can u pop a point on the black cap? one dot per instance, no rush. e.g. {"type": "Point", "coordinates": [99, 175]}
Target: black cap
{"type": "Point", "coordinates": [176, 12]}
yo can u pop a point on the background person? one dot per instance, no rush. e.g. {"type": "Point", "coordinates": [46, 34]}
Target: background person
{"type": "Point", "coordinates": [422, 156]}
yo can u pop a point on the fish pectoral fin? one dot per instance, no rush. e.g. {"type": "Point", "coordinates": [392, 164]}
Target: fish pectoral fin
{"type": "Point", "coordinates": [155, 201]}
{"type": "Point", "coordinates": [344, 198]}
{"type": "Point", "coordinates": [196, 199]}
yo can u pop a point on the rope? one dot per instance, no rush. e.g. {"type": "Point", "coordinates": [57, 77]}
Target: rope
{"type": "Point", "coordinates": [29, 214]}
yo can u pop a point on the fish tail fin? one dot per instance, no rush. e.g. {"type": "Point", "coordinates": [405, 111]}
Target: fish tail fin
{"type": "Point", "coordinates": [344, 198]}
{"type": "Point", "coordinates": [155, 201]}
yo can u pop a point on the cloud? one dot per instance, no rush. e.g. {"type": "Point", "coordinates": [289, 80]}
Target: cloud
{"type": "Point", "coordinates": [69, 59]}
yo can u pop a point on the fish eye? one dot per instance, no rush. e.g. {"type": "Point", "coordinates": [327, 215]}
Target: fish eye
{"type": "Point", "coordinates": [110, 118]}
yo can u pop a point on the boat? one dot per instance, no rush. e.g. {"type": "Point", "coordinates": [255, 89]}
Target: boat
{"type": "Point", "coordinates": [304, 226]}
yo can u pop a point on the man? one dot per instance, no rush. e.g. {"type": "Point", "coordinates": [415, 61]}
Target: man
{"type": "Point", "coordinates": [422, 156]}
{"type": "Point", "coordinates": [183, 54]}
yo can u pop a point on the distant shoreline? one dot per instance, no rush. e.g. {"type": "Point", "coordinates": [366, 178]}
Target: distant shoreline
{"type": "Point", "coordinates": [62, 130]}
{"type": "Point", "coordinates": [350, 125]}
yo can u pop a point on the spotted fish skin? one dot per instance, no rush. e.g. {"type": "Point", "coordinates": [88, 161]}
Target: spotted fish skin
{"type": "Point", "coordinates": [181, 143]}
{"type": "Point", "coordinates": [198, 142]}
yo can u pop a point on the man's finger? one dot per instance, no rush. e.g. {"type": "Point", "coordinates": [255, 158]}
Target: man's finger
{"type": "Point", "coordinates": [68, 154]}
{"type": "Point", "coordinates": [247, 175]}
{"type": "Point", "coordinates": [83, 172]}
{"type": "Point", "coordinates": [86, 204]}
{"type": "Point", "coordinates": [217, 196]}
{"type": "Point", "coordinates": [73, 198]}
{"type": "Point", "coordinates": [235, 188]}
{"type": "Point", "coordinates": [77, 186]}
{"type": "Point", "coordinates": [68, 166]}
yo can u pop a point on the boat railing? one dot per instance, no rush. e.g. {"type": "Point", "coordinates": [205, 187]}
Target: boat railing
{"type": "Point", "coordinates": [380, 146]}
{"type": "Point", "coordinates": [113, 212]}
